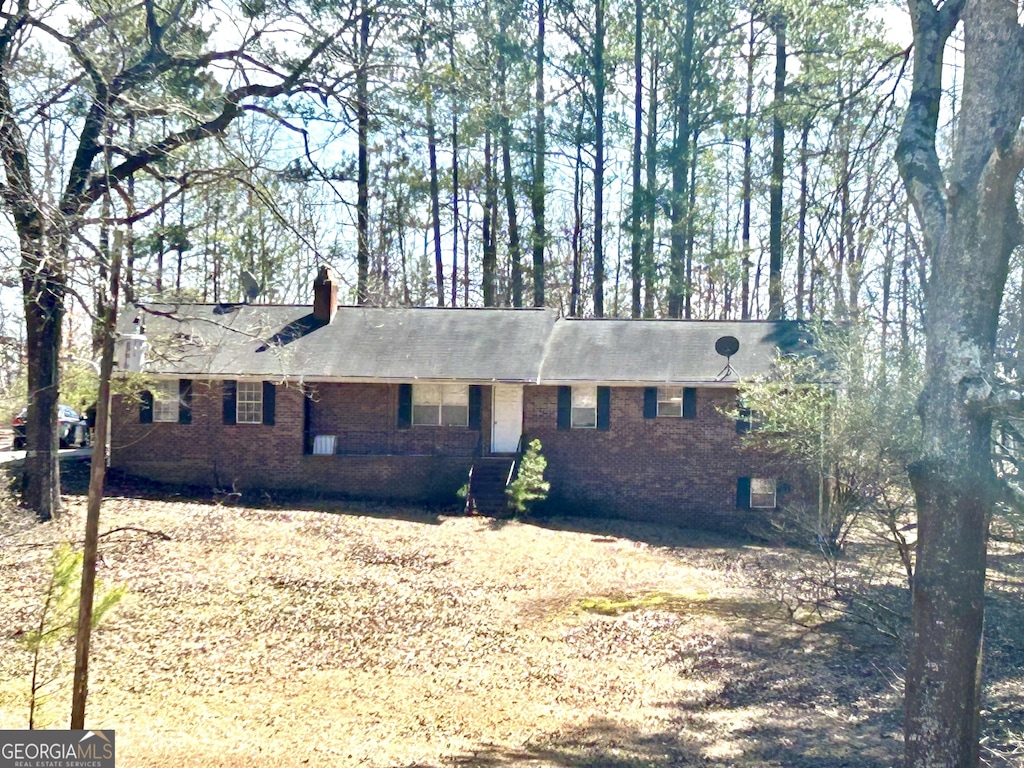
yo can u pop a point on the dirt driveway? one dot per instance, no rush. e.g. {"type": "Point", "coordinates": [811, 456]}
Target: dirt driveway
{"type": "Point", "coordinates": [389, 637]}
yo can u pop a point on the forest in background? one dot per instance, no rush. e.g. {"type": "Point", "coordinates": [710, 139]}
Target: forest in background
{"type": "Point", "coordinates": [647, 159]}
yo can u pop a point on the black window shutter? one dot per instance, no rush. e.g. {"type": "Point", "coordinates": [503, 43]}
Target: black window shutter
{"type": "Point", "coordinates": [475, 406]}
{"type": "Point", "coordinates": [184, 401]}
{"type": "Point", "coordinates": [146, 407]}
{"type": "Point", "coordinates": [743, 493]}
{"type": "Point", "coordinates": [269, 402]}
{"type": "Point", "coordinates": [307, 422]}
{"type": "Point", "coordinates": [650, 402]}
{"type": "Point", "coordinates": [604, 407]}
{"type": "Point", "coordinates": [689, 403]}
{"type": "Point", "coordinates": [230, 398]}
{"type": "Point", "coordinates": [404, 406]}
{"type": "Point", "coordinates": [564, 407]}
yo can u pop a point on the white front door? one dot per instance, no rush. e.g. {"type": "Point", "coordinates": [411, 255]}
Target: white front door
{"type": "Point", "coordinates": [507, 424]}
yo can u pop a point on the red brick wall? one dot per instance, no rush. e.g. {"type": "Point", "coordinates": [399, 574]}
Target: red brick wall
{"type": "Point", "coordinates": [364, 418]}
{"type": "Point", "coordinates": [682, 471]}
{"type": "Point", "coordinates": [420, 463]}
{"type": "Point", "coordinates": [675, 470]}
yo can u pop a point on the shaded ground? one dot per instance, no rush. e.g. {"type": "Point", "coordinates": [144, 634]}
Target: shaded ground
{"type": "Point", "coordinates": [367, 636]}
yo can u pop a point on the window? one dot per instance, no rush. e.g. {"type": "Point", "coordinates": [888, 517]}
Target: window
{"type": "Point", "coordinates": [584, 407]}
{"type": "Point", "coordinates": [249, 402]}
{"type": "Point", "coordinates": [440, 405]}
{"type": "Point", "coordinates": [670, 401]}
{"type": "Point", "coordinates": [165, 401]}
{"type": "Point", "coordinates": [762, 493]}
{"type": "Point", "coordinates": [748, 420]}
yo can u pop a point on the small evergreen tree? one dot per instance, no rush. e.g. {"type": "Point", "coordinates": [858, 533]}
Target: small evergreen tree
{"type": "Point", "coordinates": [529, 485]}
{"type": "Point", "coordinates": [56, 625]}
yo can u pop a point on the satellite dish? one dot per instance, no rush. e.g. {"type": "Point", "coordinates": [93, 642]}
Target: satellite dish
{"type": "Point", "coordinates": [727, 346]}
{"type": "Point", "coordinates": [251, 288]}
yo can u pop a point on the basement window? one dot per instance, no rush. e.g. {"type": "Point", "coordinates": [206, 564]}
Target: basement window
{"type": "Point", "coordinates": [249, 402]}
{"type": "Point", "coordinates": [584, 407]}
{"type": "Point", "coordinates": [762, 493]}
{"type": "Point", "coordinates": [165, 401]}
{"type": "Point", "coordinates": [440, 405]}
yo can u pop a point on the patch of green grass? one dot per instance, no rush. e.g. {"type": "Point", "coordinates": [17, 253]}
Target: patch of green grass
{"type": "Point", "coordinates": [618, 604]}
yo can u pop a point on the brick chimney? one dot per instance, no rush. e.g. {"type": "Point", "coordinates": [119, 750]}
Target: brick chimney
{"type": "Point", "coordinates": [325, 296]}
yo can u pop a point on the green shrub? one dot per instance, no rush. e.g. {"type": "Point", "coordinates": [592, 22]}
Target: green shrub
{"type": "Point", "coordinates": [529, 485]}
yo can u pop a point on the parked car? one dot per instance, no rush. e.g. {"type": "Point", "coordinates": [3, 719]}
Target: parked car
{"type": "Point", "coordinates": [73, 428]}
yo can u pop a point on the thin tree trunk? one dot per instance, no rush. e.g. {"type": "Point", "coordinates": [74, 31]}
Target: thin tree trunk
{"type": "Point", "coordinates": [540, 149]}
{"type": "Point", "coordinates": [636, 209]}
{"type": "Point", "coordinates": [888, 266]}
{"type": "Point", "coordinates": [801, 247]}
{"type": "Point", "coordinates": [577, 232]}
{"type": "Point", "coordinates": [97, 473]}
{"type": "Point", "coordinates": [435, 195]}
{"type": "Point", "coordinates": [455, 201]}
{"type": "Point", "coordinates": [129, 278]}
{"type": "Point", "coordinates": [691, 205]}
{"type": "Point", "coordinates": [745, 195]}
{"type": "Point", "coordinates": [490, 246]}
{"type": "Point", "coordinates": [651, 207]}
{"type": "Point", "coordinates": [179, 245]}
{"type": "Point", "coordinates": [363, 172]}
{"type": "Point", "coordinates": [681, 167]}
{"type": "Point", "coordinates": [599, 95]}
{"type": "Point", "coordinates": [775, 303]}
{"type": "Point", "coordinates": [465, 254]}
{"type": "Point", "coordinates": [515, 261]}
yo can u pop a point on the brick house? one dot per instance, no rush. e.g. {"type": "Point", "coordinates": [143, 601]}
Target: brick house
{"type": "Point", "coordinates": [400, 403]}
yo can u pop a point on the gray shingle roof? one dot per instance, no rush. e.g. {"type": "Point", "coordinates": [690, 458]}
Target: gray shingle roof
{"type": "Point", "coordinates": [406, 344]}
{"type": "Point", "coordinates": [361, 342]}
{"type": "Point", "coordinates": [664, 351]}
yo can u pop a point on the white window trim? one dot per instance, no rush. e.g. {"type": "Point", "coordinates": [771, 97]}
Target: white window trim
{"type": "Point", "coordinates": [763, 492]}
{"type": "Point", "coordinates": [664, 397]}
{"type": "Point", "coordinates": [440, 404]}
{"type": "Point", "coordinates": [166, 401]}
{"type": "Point", "coordinates": [254, 402]}
{"type": "Point", "coordinates": [579, 389]}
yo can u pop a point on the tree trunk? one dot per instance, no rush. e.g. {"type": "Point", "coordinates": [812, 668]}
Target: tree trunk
{"type": "Point", "coordinates": [680, 168]}
{"type": "Point", "coordinates": [577, 229]}
{"type": "Point", "coordinates": [508, 185]}
{"type": "Point", "coordinates": [599, 92]}
{"type": "Point", "coordinates": [97, 473]}
{"type": "Point", "coordinates": [43, 247]}
{"type": "Point", "coordinates": [971, 225]}
{"type": "Point", "coordinates": [435, 195]}
{"type": "Point", "coordinates": [537, 193]}
{"type": "Point", "coordinates": [490, 256]}
{"type": "Point", "coordinates": [691, 206]}
{"type": "Point", "coordinates": [636, 208]}
{"type": "Point", "coordinates": [42, 287]}
{"type": "Point", "coordinates": [651, 207]}
{"type": "Point", "coordinates": [801, 231]}
{"type": "Point", "coordinates": [363, 172]}
{"type": "Point", "coordinates": [745, 195]}
{"type": "Point", "coordinates": [775, 305]}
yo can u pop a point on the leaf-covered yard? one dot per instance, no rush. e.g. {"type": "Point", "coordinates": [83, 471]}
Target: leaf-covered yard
{"type": "Point", "coordinates": [354, 636]}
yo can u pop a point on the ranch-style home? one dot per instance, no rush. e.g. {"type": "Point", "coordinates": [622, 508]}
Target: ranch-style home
{"type": "Point", "coordinates": [403, 403]}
